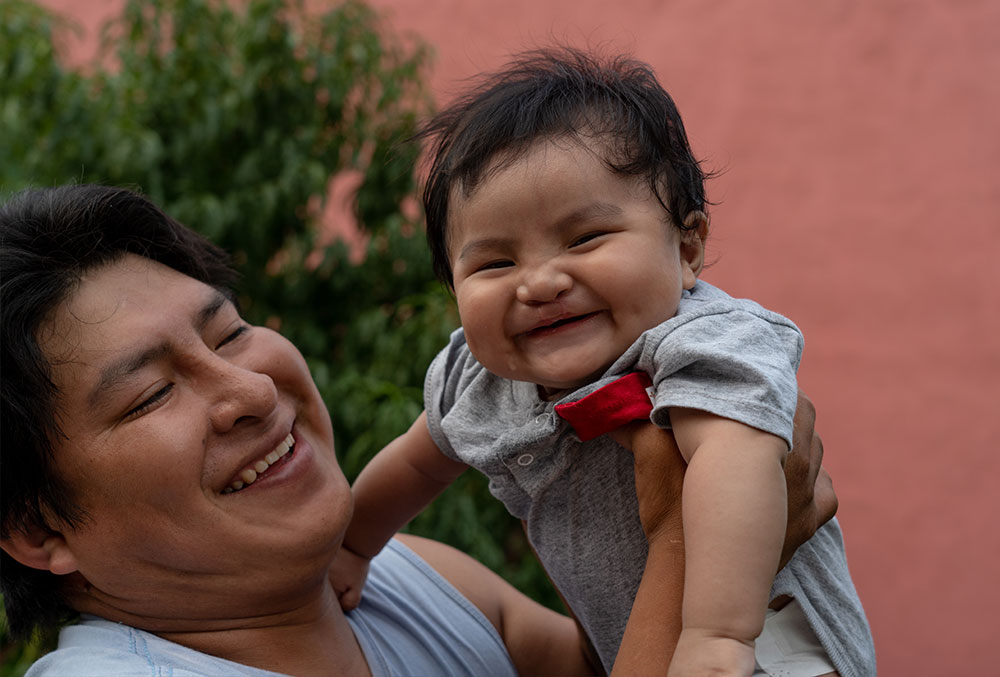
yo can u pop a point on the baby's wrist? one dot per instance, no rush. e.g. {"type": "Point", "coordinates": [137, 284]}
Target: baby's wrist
{"type": "Point", "coordinates": [358, 551]}
{"type": "Point", "coordinates": [714, 636]}
{"type": "Point", "coordinates": [707, 652]}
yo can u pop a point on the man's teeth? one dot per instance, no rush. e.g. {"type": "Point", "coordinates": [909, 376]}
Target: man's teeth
{"type": "Point", "coordinates": [249, 475]}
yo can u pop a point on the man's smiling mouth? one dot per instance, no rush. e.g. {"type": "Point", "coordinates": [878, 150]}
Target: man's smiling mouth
{"type": "Point", "coordinates": [250, 474]}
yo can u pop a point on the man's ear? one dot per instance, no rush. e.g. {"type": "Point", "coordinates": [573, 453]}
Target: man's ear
{"type": "Point", "coordinates": [41, 549]}
{"type": "Point", "coordinates": [692, 247]}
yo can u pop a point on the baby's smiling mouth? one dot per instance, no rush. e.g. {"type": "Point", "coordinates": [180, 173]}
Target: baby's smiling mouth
{"type": "Point", "coordinates": [544, 329]}
{"type": "Point", "coordinates": [250, 474]}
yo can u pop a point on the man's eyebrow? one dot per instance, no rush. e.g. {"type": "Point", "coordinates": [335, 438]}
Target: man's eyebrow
{"type": "Point", "coordinates": [113, 374]}
{"type": "Point", "coordinates": [210, 309]}
{"type": "Point", "coordinates": [120, 369]}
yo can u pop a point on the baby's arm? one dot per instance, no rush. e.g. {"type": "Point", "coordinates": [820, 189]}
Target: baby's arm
{"type": "Point", "coordinates": [395, 485]}
{"type": "Point", "coordinates": [734, 512]}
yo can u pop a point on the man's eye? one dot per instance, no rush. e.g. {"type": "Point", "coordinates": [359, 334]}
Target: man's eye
{"type": "Point", "coordinates": [150, 402]}
{"type": "Point", "coordinates": [242, 329]}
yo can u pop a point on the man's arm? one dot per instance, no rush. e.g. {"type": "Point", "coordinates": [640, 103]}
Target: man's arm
{"type": "Point", "coordinates": [655, 622]}
{"type": "Point", "coordinates": [391, 490]}
{"type": "Point", "coordinates": [540, 641]}
{"type": "Point", "coordinates": [811, 499]}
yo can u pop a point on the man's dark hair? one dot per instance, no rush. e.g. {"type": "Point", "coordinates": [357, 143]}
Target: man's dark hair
{"type": "Point", "coordinates": [547, 94]}
{"type": "Point", "coordinates": [49, 238]}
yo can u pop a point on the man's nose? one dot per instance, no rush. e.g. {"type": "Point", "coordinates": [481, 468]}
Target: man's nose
{"type": "Point", "coordinates": [240, 394]}
{"type": "Point", "coordinates": [543, 284]}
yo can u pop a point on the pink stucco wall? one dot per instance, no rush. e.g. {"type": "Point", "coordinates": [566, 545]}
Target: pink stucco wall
{"type": "Point", "coordinates": [861, 197]}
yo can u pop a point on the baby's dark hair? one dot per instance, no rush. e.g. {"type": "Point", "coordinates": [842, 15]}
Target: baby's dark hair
{"type": "Point", "coordinates": [49, 238]}
{"type": "Point", "coordinates": [546, 94]}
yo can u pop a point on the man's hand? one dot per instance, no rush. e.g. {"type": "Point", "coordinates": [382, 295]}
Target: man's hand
{"type": "Point", "coordinates": [811, 500]}
{"type": "Point", "coordinates": [655, 624]}
{"type": "Point", "coordinates": [348, 575]}
{"type": "Point", "coordinates": [659, 471]}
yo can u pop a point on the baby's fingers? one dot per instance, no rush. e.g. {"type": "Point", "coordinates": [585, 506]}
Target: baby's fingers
{"type": "Point", "coordinates": [349, 598]}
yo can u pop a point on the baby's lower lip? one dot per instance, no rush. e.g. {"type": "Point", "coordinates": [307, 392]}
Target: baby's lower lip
{"type": "Point", "coordinates": [560, 324]}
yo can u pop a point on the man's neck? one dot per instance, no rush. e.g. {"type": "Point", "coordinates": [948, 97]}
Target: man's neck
{"type": "Point", "coordinates": [311, 638]}
{"type": "Point", "coordinates": [317, 642]}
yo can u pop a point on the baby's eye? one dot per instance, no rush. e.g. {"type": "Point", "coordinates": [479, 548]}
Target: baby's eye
{"type": "Point", "coordinates": [493, 265]}
{"type": "Point", "coordinates": [584, 239]}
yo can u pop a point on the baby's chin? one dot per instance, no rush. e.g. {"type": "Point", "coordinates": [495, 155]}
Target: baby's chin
{"type": "Point", "coordinates": [552, 379]}
{"type": "Point", "coordinates": [552, 389]}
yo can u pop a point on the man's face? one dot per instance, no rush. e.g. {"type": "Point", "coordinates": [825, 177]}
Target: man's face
{"type": "Point", "coordinates": [169, 403]}
{"type": "Point", "coordinates": [560, 264]}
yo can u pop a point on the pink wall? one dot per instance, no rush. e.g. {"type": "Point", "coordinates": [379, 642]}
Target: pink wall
{"type": "Point", "coordinates": [855, 138]}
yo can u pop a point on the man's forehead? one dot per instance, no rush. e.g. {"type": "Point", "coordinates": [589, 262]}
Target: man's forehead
{"type": "Point", "coordinates": [115, 306]}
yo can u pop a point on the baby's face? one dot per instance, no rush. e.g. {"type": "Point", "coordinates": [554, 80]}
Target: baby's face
{"type": "Point", "coordinates": [560, 264]}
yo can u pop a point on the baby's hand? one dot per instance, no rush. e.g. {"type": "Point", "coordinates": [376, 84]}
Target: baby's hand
{"type": "Point", "coordinates": [700, 652]}
{"type": "Point", "coordinates": [348, 575]}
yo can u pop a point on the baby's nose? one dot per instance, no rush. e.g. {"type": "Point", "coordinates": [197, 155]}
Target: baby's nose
{"type": "Point", "coordinates": [543, 285]}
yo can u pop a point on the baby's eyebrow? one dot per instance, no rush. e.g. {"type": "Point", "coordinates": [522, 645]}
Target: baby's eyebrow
{"type": "Point", "coordinates": [589, 212]}
{"type": "Point", "coordinates": [485, 244]}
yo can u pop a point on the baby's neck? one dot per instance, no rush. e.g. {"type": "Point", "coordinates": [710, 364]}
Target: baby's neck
{"type": "Point", "coordinates": [550, 394]}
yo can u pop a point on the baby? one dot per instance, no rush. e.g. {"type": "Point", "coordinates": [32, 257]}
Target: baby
{"type": "Point", "coordinates": [567, 212]}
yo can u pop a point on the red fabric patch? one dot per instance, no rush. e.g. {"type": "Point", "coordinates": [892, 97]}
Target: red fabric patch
{"type": "Point", "coordinates": [610, 407]}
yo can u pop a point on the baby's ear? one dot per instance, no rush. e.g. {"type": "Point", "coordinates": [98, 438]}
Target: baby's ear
{"type": "Point", "coordinates": [41, 549]}
{"type": "Point", "coordinates": [692, 247]}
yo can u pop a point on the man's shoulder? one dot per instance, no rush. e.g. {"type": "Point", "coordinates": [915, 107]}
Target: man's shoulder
{"type": "Point", "coordinates": [95, 647]}
{"type": "Point", "coordinates": [423, 608]}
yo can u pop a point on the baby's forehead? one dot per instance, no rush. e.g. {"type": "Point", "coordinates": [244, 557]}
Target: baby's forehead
{"type": "Point", "coordinates": [599, 147]}
{"type": "Point", "coordinates": [563, 181]}
{"type": "Point", "coordinates": [597, 150]}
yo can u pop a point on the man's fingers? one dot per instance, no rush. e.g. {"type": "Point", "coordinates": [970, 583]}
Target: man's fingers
{"type": "Point", "coordinates": [824, 497]}
{"type": "Point", "coordinates": [815, 456]}
{"type": "Point", "coordinates": [805, 411]}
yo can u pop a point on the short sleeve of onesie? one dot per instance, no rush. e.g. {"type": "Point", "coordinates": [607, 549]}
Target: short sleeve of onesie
{"type": "Point", "coordinates": [447, 377]}
{"type": "Point", "coordinates": [726, 356]}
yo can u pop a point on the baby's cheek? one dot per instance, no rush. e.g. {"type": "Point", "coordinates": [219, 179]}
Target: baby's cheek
{"type": "Point", "coordinates": [476, 344]}
{"type": "Point", "coordinates": [494, 356]}
{"type": "Point", "coordinates": [658, 308]}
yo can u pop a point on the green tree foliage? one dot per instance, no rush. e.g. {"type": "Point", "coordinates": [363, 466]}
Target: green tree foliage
{"type": "Point", "coordinates": [235, 117]}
